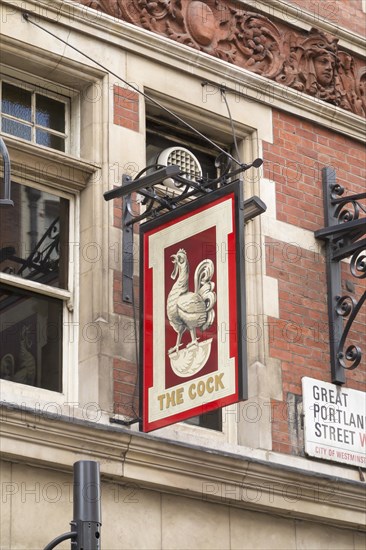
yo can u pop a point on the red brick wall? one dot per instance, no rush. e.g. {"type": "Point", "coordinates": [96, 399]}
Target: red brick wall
{"type": "Point", "coordinates": [294, 161]}
{"type": "Point", "coordinates": [345, 13]}
{"type": "Point", "coordinates": [299, 338]}
{"type": "Point", "coordinates": [125, 373]}
{"type": "Point", "coordinates": [125, 388]}
{"type": "Point", "coordinates": [126, 108]}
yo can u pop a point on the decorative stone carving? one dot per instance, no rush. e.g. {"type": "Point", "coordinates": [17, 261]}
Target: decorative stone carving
{"type": "Point", "coordinates": [310, 63]}
{"type": "Point", "coordinates": [314, 65]}
{"type": "Point", "coordinates": [258, 43]}
{"type": "Point", "coordinates": [361, 88]}
{"type": "Point", "coordinates": [353, 97]}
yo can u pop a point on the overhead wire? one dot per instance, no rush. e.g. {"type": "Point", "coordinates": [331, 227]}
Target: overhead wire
{"type": "Point", "coordinates": [223, 95]}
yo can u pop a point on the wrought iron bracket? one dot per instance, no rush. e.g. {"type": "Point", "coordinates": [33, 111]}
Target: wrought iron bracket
{"type": "Point", "coordinates": [344, 238]}
{"type": "Point", "coordinates": [157, 204]}
{"type": "Point", "coordinates": [127, 247]}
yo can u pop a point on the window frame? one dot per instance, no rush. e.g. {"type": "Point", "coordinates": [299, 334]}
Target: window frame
{"type": "Point", "coordinates": [58, 172]}
{"type": "Point", "coordinates": [33, 396]}
{"type": "Point", "coordinates": [37, 89]}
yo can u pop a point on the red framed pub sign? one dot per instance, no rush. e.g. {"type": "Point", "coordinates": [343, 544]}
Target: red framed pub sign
{"type": "Point", "coordinates": [192, 349]}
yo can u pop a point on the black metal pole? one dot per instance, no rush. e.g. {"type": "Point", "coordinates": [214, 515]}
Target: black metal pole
{"type": "Point", "coordinates": [87, 515]}
{"type": "Point", "coordinates": [85, 527]}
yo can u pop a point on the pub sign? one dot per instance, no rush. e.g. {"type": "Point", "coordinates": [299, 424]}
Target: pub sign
{"type": "Point", "coordinates": [192, 350]}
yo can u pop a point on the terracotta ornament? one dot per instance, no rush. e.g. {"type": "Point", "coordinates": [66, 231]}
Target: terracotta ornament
{"type": "Point", "coordinates": [309, 62]}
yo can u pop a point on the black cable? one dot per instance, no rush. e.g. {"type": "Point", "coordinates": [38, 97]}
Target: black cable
{"type": "Point", "coordinates": [26, 16]}
{"type": "Point", "coordinates": [60, 538]}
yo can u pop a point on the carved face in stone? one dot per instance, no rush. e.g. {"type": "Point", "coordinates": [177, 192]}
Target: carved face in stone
{"type": "Point", "coordinates": [324, 69]}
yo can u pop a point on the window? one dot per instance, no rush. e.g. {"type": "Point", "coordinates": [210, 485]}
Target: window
{"type": "Point", "coordinates": [33, 234]}
{"type": "Point", "coordinates": [40, 123]}
{"type": "Point", "coordinates": [34, 116]}
{"type": "Point", "coordinates": [33, 270]}
{"type": "Point", "coordinates": [211, 420]}
{"type": "Point", "coordinates": [195, 156]}
{"type": "Point", "coordinates": [31, 338]}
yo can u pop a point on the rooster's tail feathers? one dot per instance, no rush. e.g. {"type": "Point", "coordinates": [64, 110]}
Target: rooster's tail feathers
{"type": "Point", "coordinates": [203, 274]}
{"type": "Point", "coordinates": [205, 288]}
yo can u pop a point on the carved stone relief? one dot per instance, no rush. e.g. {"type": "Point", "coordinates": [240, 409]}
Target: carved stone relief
{"type": "Point", "coordinates": [315, 65]}
{"type": "Point", "coordinates": [309, 62]}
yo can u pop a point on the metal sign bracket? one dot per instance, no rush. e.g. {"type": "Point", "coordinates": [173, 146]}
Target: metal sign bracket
{"type": "Point", "coordinates": [344, 237]}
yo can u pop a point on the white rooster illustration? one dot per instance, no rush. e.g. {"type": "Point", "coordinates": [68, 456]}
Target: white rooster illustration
{"type": "Point", "coordinates": [190, 310]}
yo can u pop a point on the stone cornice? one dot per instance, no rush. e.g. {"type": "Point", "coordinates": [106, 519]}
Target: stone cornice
{"type": "Point", "coordinates": [57, 442]}
{"type": "Point", "coordinates": [187, 60]}
{"type": "Point", "coordinates": [303, 19]}
{"type": "Point", "coordinates": [30, 162]}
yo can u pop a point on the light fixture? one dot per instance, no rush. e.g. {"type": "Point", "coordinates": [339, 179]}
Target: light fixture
{"type": "Point", "coordinates": [253, 207]}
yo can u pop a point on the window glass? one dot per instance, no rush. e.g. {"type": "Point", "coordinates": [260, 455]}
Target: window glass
{"type": "Point", "coordinates": [16, 129]}
{"type": "Point", "coordinates": [34, 236]}
{"type": "Point", "coordinates": [34, 117]}
{"type": "Point", "coordinates": [50, 113]}
{"type": "Point", "coordinates": [211, 420]}
{"type": "Point", "coordinates": [16, 102]}
{"type": "Point", "coordinates": [157, 141]}
{"type": "Point", "coordinates": [34, 244]}
{"type": "Point", "coordinates": [30, 339]}
{"type": "Point", "coordinates": [50, 140]}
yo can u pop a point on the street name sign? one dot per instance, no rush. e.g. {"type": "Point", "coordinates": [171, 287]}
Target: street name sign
{"type": "Point", "coordinates": [334, 422]}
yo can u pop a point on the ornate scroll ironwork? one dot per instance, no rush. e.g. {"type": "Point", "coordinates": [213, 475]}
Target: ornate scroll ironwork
{"type": "Point", "coordinates": [158, 202]}
{"type": "Point", "coordinates": [344, 237]}
{"type": "Point", "coordinates": [43, 261]}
